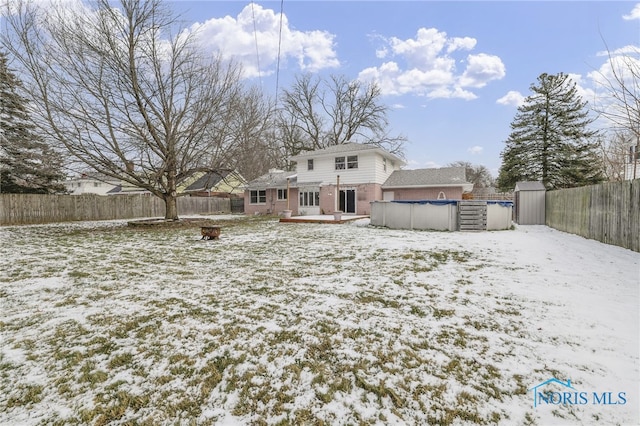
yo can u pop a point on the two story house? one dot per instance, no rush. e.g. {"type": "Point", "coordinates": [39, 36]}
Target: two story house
{"type": "Point", "coordinates": [348, 178]}
{"type": "Point", "coordinates": [338, 178]}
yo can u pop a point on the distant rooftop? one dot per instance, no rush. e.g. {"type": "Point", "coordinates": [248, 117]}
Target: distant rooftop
{"type": "Point", "coordinates": [529, 186]}
{"type": "Point", "coordinates": [273, 179]}
{"type": "Point", "coordinates": [427, 177]}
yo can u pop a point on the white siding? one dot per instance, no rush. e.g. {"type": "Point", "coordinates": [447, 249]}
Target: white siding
{"type": "Point", "coordinates": [370, 170]}
{"type": "Point", "coordinates": [88, 186]}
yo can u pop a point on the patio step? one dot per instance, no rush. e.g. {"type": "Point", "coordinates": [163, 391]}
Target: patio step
{"type": "Point", "coordinates": [472, 215]}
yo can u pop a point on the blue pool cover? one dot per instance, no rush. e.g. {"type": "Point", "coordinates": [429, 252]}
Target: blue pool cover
{"type": "Point", "coordinates": [446, 202]}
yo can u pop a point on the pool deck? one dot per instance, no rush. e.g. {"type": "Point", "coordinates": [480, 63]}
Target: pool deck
{"type": "Point", "coordinates": [325, 218]}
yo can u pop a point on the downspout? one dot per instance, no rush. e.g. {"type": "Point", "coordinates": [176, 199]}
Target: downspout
{"type": "Point", "coordinates": [288, 194]}
{"type": "Point", "coordinates": [337, 206]}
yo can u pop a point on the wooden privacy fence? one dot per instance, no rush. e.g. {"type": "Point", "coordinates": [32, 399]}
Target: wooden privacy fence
{"type": "Point", "coordinates": [609, 212]}
{"type": "Point", "coordinates": [25, 209]}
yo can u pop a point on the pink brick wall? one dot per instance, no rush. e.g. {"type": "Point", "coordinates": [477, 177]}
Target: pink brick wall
{"type": "Point", "coordinates": [273, 205]}
{"type": "Point", "coordinates": [451, 193]}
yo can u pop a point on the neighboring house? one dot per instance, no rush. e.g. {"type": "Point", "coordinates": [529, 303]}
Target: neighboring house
{"type": "Point", "coordinates": [125, 188]}
{"type": "Point", "coordinates": [214, 183]}
{"type": "Point", "coordinates": [341, 177]}
{"type": "Point", "coordinates": [447, 183]}
{"type": "Point", "coordinates": [87, 184]}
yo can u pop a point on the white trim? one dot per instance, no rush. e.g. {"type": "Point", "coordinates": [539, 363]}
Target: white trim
{"type": "Point", "coordinates": [465, 187]}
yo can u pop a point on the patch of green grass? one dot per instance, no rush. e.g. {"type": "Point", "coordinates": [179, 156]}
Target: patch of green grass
{"type": "Point", "coordinates": [380, 390]}
{"type": "Point", "coordinates": [121, 360]}
{"type": "Point", "coordinates": [378, 299]}
{"type": "Point", "coordinates": [442, 313]}
{"type": "Point", "coordinates": [89, 374]}
{"type": "Point", "coordinates": [79, 274]}
{"type": "Point", "coordinates": [25, 395]}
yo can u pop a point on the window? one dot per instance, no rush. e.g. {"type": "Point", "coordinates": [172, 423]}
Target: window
{"type": "Point", "coordinates": [350, 162]}
{"type": "Point", "coordinates": [384, 164]}
{"type": "Point", "coordinates": [282, 194]}
{"type": "Point", "coordinates": [310, 164]}
{"type": "Point", "coordinates": [309, 199]}
{"type": "Point", "coordinates": [259, 197]}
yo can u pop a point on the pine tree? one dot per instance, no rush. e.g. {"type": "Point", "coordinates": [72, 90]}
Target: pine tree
{"type": "Point", "coordinates": [27, 164]}
{"type": "Point", "coordinates": [550, 140]}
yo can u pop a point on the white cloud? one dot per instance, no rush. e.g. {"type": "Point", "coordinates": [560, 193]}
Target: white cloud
{"type": "Point", "coordinates": [236, 38]}
{"type": "Point", "coordinates": [618, 70]}
{"type": "Point", "coordinates": [465, 43]}
{"type": "Point", "coordinates": [475, 150]}
{"type": "Point", "coordinates": [431, 165]}
{"type": "Point", "coordinates": [426, 66]}
{"type": "Point", "coordinates": [482, 69]}
{"type": "Point", "coordinates": [415, 164]}
{"type": "Point", "coordinates": [635, 13]}
{"type": "Point", "coordinates": [513, 98]}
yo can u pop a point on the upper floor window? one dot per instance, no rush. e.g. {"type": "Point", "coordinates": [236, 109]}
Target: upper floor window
{"type": "Point", "coordinates": [282, 194]}
{"type": "Point", "coordinates": [350, 162]}
{"type": "Point", "coordinates": [384, 164]}
{"type": "Point", "coordinates": [310, 164]}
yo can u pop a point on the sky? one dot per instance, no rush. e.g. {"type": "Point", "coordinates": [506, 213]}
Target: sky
{"type": "Point", "coordinates": [452, 73]}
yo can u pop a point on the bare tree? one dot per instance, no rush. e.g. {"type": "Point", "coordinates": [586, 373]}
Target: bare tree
{"type": "Point", "coordinates": [239, 139]}
{"type": "Point", "coordinates": [125, 90]}
{"type": "Point", "coordinates": [620, 103]}
{"type": "Point", "coordinates": [614, 147]}
{"type": "Point", "coordinates": [478, 174]}
{"type": "Point", "coordinates": [318, 113]}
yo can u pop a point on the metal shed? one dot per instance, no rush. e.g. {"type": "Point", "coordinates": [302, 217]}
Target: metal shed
{"type": "Point", "coordinates": [529, 203]}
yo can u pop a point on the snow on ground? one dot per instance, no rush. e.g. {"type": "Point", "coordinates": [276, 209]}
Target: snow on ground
{"type": "Point", "coordinates": [311, 323]}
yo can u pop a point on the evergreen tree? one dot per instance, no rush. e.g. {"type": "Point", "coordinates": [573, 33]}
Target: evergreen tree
{"type": "Point", "coordinates": [27, 164]}
{"type": "Point", "coordinates": [550, 140]}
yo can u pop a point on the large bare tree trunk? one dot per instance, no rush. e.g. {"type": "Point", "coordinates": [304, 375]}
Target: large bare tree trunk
{"type": "Point", "coordinates": [171, 207]}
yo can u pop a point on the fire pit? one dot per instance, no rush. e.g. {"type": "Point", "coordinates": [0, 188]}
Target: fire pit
{"type": "Point", "coordinates": [210, 232]}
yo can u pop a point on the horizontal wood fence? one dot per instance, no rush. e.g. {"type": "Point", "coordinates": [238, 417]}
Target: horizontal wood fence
{"type": "Point", "coordinates": [25, 209]}
{"type": "Point", "coordinates": [609, 212]}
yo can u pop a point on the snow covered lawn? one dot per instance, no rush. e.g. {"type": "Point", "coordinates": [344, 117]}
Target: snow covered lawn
{"type": "Point", "coordinates": [314, 324]}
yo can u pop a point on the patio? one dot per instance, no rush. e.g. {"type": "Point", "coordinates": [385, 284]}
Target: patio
{"type": "Point", "coordinates": [323, 218]}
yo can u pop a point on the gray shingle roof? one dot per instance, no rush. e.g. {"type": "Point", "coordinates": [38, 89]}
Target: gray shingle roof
{"type": "Point", "coordinates": [426, 177]}
{"type": "Point", "coordinates": [529, 186]}
{"type": "Point", "coordinates": [273, 179]}
{"type": "Point", "coordinates": [343, 149]}
{"type": "Point", "coordinates": [208, 180]}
